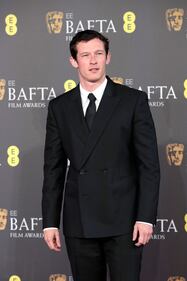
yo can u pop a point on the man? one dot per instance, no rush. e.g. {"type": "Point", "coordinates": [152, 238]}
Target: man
{"type": "Point", "coordinates": [111, 188]}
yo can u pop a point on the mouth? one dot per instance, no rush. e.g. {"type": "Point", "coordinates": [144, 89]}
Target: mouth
{"type": "Point", "coordinates": [94, 69]}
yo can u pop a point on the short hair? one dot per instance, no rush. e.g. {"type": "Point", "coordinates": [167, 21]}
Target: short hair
{"type": "Point", "coordinates": [86, 36]}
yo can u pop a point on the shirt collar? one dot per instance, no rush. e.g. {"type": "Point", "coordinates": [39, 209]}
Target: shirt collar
{"type": "Point", "coordinates": [97, 92]}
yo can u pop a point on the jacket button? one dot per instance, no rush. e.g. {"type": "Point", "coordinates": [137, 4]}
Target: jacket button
{"type": "Point", "coordinates": [82, 172]}
{"type": "Point", "coordinates": [84, 195]}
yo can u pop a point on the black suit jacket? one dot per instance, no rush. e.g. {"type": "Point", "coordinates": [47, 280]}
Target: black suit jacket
{"type": "Point", "coordinates": [113, 178]}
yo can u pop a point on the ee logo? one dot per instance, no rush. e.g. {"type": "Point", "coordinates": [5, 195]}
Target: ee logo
{"type": "Point", "coordinates": [13, 156]}
{"type": "Point", "coordinates": [11, 27]}
{"type": "Point", "coordinates": [14, 278]}
{"type": "Point", "coordinates": [129, 25]}
{"type": "Point", "coordinates": [69, 84]}
{"type": "Point", "coordinates": [185, 220]}
{"type": "Point", "coordinates": [185, 88]}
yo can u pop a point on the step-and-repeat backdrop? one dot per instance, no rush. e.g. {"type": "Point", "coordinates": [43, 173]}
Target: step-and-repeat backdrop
{"type": "Point", "coordinates": [149, 52]}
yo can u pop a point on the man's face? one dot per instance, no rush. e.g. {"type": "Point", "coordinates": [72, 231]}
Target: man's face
{"type": "Point", "coordinates": [91, 61]}
{"type": "Point", "coordinates": [3, 218]}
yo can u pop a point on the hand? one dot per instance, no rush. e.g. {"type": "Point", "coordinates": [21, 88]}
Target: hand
{"type": "Point", "coordinates": [142, 233]}
{"type": "Point", "coordinates": [52, 238]}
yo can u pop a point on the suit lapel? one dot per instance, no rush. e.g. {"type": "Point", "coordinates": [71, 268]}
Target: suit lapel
{"type": "Point", "coordinates": [106, 107]}
{"type": "Point", "coordinates": [77, 116]}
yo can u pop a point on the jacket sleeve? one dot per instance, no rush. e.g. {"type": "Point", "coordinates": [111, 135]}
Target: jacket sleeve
{"type": "Point", "coordinates": [55, 165]}
{"type": "Point", "coordinates": [147, 161]}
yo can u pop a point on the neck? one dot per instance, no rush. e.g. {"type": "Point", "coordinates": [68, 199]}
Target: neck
{"type": "Point", "coordinates": [90, 86]}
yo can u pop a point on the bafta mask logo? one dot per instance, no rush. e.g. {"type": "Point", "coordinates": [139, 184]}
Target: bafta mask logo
{"type": "Point", "coordinates": [57, 277]}
{"type": "Point", "coordinates": [176, 278]}
{"type": "Point", "coordinates": [174, 19]}
{"type": "Point", "coordinates": [54, 21]}
{"type": "Point", "coordinates": [2, 88]}
{"type": "Point", "coordinates": [175, 152]}
{"type": "Point", "coordinates": [3, 218]}
{"type": "Point", "coordinates": [117, 80]}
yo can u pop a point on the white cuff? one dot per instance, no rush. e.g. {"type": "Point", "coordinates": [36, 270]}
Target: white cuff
{"type": "Point", "coordinates": [49, 228]}
{"type": "Point", "coordinates": [144, 222]}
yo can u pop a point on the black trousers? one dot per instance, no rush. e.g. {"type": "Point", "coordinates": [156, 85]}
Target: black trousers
{"type": "Point", "coordinates": [89, 258]}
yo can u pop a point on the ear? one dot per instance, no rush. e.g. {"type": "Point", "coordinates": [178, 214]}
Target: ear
{"type": "Point", "coordinates": [73, 62]}
{"type": "Point", "coordinates": [108, 58]}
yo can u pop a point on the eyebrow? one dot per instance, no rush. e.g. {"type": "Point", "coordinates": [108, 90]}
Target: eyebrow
{"type": "Point", "coordinates": [87, 52]}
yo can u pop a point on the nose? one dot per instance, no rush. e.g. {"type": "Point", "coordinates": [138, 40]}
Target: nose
{"type": "Point", "coordinates": [93, 59]}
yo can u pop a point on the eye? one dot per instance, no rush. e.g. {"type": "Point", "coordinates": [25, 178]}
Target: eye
{"type": "Point", "coordinates": [85, 55]}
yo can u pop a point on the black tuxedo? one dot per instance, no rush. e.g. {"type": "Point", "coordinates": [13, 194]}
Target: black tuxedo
{"type": "Point", "coordinates": [113, 178]}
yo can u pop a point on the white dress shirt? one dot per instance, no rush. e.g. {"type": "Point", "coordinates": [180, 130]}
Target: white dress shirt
{"type": "Point", "coordinates": [98, 93]}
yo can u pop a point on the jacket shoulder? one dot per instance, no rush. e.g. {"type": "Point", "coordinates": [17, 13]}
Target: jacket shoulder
{"type": "Point", "coordinates": [62, 98]}
{"type": "Point", "coordinates": [128, 92]}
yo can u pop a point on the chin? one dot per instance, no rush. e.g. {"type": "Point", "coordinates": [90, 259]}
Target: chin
{"type": "Point", "coordinates": [95, 78]}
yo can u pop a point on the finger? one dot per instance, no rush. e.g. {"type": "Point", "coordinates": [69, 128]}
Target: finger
{"type": "Point", "coordinates": [58, 243]}
{"type": "Point", "coordinates": [50, 243]}
{"type": "Point", "coordinates": [141, 240]}
{"type": "Point", "coordinates": [49, 239]}
{"type": "Point", "coordinates": [148, 238]}
{"type": "Point", "coordinates": [53, 246]}
{"type": "Point", "coordinates": [135, 233]}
